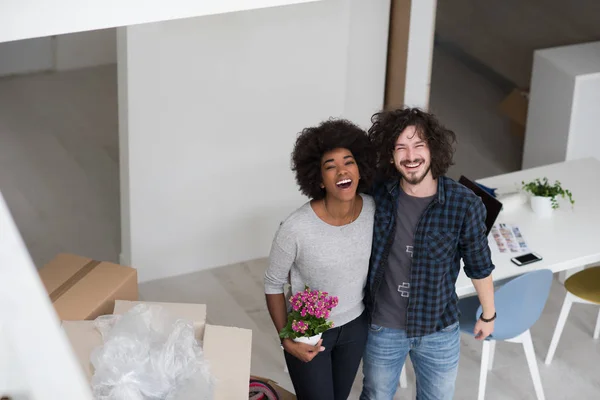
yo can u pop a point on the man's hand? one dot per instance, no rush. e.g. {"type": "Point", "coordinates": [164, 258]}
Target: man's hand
{"type": "Point", "coordinates": [483, 329]}
{"type": "Point", "coordinates": [302, 351]}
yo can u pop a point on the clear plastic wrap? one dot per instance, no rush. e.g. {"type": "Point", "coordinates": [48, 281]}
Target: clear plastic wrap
{"type": "Point", "coordinates": [149, 355]}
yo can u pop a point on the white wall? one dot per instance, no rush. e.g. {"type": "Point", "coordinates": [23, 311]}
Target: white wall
{"type": "Point", "coordinates": [562, 116]}
{"type": "Point", "coordinates": [367, 59]}
{"type": "Point", "coordinates": [585, 141]}
{"type": "Point", "coordinates": [548, 114]}
{"type": "Point", "coordinates": [213, 108]}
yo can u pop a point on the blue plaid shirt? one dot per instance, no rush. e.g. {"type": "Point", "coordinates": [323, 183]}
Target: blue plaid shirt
{"type": "Point", "coordinates": [451, 227]}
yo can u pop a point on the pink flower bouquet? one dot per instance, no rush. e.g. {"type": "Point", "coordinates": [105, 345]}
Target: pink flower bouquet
{"type": "Point", "coordinates": [308, 316]}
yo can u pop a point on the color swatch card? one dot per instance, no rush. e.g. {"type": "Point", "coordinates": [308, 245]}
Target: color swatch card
{"type": "Point", "coordinates": [508, 238]}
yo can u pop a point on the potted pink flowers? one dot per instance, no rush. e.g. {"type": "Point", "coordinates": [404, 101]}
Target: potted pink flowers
{"type": "Point", "coordinates": [307, 319]}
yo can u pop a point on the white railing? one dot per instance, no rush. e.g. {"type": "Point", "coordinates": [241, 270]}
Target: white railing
{"type": "Point", "coordinates": [24, 19]}
{"type": "Point", "coordinates": [36, 360]}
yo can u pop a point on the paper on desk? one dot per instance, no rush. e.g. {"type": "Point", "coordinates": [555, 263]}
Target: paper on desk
{"type": "Point", "coordinates": [508, 238]}
{"type": "Point", "coordinates": [507, 190]}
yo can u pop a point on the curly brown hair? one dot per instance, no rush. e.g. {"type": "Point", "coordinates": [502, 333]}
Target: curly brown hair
{"type": "Point", "coordinates": [388, 125]}
{"type": "Point", "coordinates": [312, 143]}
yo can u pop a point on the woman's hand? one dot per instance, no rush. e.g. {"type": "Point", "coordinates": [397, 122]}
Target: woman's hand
{"type": "Point", "coordinates": [302, 351]}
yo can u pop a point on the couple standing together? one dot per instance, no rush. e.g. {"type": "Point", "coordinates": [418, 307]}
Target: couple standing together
{"type": "Point", "coordinates": [385, 231]}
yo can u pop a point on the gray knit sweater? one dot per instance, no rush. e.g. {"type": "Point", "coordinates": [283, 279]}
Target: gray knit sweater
{"type": "Point", "coordinates": [334, 259]}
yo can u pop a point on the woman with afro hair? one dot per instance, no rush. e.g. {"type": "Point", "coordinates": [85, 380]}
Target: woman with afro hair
{"type": "Point", "coordinates": [326, 244]}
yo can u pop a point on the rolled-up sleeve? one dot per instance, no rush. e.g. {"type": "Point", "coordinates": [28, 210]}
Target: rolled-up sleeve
{"type": "Point", "coordinates": [474, 246]}
{"type": "Point", "coordinates": [281, 259]}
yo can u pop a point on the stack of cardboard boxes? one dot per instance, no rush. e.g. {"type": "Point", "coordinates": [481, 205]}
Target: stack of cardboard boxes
{"type": "Point", "coordinates": [82, 289]}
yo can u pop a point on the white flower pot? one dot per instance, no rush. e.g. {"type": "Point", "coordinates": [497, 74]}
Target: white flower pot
{"type": "Point", "coordinates": [542, 206]}
{"type": "Point", "coordinates": [313, 340]}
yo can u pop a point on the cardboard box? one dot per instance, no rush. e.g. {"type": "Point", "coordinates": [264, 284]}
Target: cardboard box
{"type": "Point", "coordinates": [82, 289]}
{"type": "Point", "coordinates": [283, 394]}
{"type": "Point", "coordinates": [514, 106]}
{"type": "Point", "coordinates": [227, 349]}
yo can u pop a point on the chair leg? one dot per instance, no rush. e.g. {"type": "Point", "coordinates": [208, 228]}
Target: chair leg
{"type": "Point", "coordinates": [563, 275]}
{"type": "Point", "coordinates": [485, 362]}
{"type": "Point", "coordinates": [562, 318]}
{"type": "Point", "coordinates": [492, 353]}
{"type": "Point", "coordinates": [403, 380]}
{"type": "Point", "coordinates": [597, 329]}
{"type": "Point", "coordinates": [533, 367]}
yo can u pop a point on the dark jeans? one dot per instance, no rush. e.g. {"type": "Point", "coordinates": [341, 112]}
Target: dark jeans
{"type": "Point", "coordinates": [330, 375]}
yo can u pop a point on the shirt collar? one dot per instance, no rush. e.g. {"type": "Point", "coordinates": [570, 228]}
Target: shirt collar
{"type": "Point", "coordinates": [393, 187]}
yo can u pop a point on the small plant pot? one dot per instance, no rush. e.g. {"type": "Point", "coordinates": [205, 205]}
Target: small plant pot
{"type": "Point", "coordinates": [313, 340]}
{"type": "Point", "coordinates": [542, 206]}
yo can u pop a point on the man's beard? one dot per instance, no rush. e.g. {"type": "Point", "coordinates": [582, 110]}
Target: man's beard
{"type": "Point", "coordinates": [413, 179]}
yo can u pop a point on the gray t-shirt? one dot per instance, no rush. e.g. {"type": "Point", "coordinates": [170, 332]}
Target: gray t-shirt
{"type": "Point", "coordinates": [334, 259]}
{"type": "Point", "coordinates": [395, 288]}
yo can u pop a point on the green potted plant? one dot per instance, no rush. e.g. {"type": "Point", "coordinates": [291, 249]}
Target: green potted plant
{"type": "Point", "coordinates": [543, 195]}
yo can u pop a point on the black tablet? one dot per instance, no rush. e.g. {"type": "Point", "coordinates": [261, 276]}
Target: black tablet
{"type": "Point", "coordinates": [492, 204]}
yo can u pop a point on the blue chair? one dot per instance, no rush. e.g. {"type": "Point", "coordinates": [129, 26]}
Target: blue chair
{"type": "Point", "coordinates": [519, 304]}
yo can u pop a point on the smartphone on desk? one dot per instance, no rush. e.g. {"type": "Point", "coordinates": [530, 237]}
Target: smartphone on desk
{"type": "Point", "coordinates": [525, 259]}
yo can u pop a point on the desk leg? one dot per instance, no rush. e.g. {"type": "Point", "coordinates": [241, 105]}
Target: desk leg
{"type": "Point", "coordinates": [597, 329]}
{"type": "Point", "coordinates": [563, 275]}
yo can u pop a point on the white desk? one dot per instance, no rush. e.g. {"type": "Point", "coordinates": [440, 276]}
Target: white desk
{"type": "Point", "coordinates": [569, 239]}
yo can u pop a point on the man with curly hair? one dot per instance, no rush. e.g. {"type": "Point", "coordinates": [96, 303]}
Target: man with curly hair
{"type": "Point", "coordinates": [425, 223]}
{"type": "Point", "coordinates": [326, 245]}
